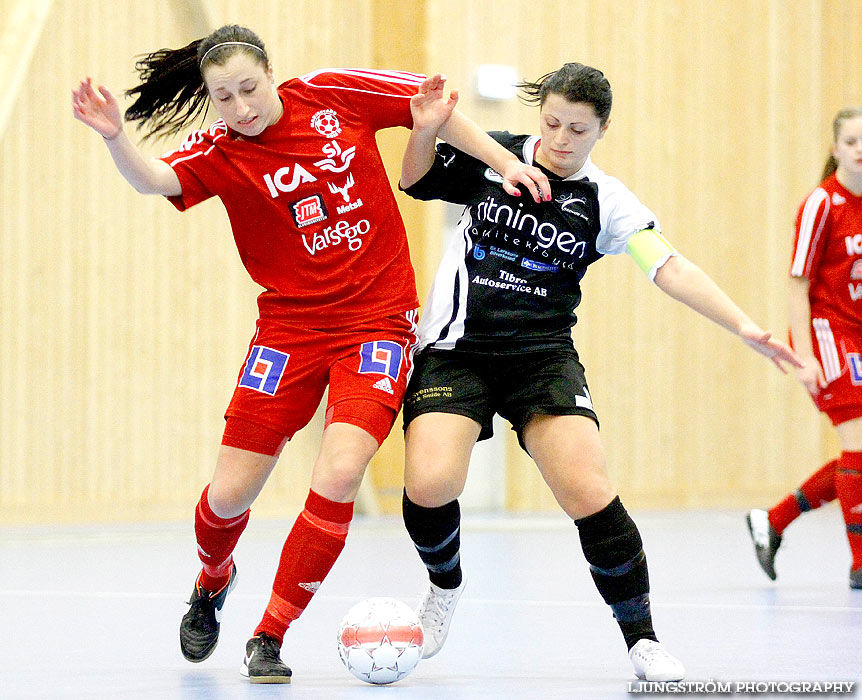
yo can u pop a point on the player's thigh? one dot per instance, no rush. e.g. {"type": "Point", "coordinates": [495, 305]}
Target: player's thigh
{"type": "Point", "coordinates": [368, 379]}
{"type": "Point", "coordinates": [850, 435]}
{"type": "Point", "coordinates": [437, 457]}
{"type": "Point", "coordinates": [282, 379]}
{"type": "Point", "coordinates": [344, 454]}
{"type": "Point", "coordinates": [447, 408]}
{"type": "Point", "coordinates": [571, 458]}
{"type": "Point", "coordinates": [374, 361]}
{"type": "Point", "coordinates": [839, 350]}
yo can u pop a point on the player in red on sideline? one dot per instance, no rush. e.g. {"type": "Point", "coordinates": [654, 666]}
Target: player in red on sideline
{"type": "Point", "coordinates": [316, 224]}
{"type": "Point", "coordinates": [826, 329]}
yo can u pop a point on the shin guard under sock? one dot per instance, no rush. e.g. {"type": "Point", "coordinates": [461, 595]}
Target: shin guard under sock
{"type": "Point", "coordinates": [217, 538]}
{"type": "Point", "coordinates": [436, 534]}
{"type": "Point", "coordinates": [309, 552]}
{"type": "Point", "coordinates": [818, 489]}
{"type": "Point", "coordinates": [848, 483]}
{"type": "Point", "coordinates": [614, 550]}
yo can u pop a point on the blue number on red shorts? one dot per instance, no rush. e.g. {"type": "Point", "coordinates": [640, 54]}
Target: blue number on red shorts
{"type": "Point", "coordinates": [381, 357]}
{"type": "Point", "coordinates": [855, 363]}
{"type": "Point", "coordinates": [264, 369]}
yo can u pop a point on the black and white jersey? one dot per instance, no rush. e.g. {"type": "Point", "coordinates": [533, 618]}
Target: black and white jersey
{"type": "Point", "coordinates": [510, 279]}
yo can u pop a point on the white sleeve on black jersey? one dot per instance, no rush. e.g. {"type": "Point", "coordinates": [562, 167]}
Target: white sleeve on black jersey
{"type": "Point", "coordinates": [621, 214]}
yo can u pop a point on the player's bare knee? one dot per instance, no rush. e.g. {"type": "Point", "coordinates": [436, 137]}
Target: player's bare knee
{"type": "Point", "coordinates": [580, 498]}
{"type": "Point", "coordinates": [430, 497]}
{"type": "Point", "coordinates": [228, 501]}
{"type": "Point", "coordinates": [338, 479]}
{"type": "Point", "coordinates": [432, 488]}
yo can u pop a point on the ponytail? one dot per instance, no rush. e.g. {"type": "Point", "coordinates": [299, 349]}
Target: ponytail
{"type": "Point", "coordinates": [830, 167]}
{"type": "Point", "coordinates": [172, 93]}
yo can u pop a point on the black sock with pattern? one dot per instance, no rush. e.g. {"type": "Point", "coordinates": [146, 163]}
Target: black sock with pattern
{"type": "Point", "coordinates": [436, 534]}
{"type": "Point", "coordinates": [613, 548]}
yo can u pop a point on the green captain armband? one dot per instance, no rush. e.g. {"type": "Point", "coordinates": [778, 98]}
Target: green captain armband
{"type": "Point", "coordinates": [650, 251]}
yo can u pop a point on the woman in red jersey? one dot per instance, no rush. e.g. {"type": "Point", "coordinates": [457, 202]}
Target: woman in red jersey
{"type": "Point", "coordinates": [826, 329]}
{"type": "Point", "coordinates": [316, 224]}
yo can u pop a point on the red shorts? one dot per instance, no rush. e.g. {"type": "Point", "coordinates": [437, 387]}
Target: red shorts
{"type": "Point", "coordinates": [287, 369]}
{"type": "Point", "coordinates": [839, 350]}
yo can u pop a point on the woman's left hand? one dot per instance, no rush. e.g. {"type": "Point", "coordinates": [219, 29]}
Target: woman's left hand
{"type": "Point", "coordinates": [536, 182]}
{"type": "Point", "coordinates": [762, 341]}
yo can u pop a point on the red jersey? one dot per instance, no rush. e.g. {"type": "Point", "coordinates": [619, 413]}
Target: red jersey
{"type": "Point", "coordinates": [310, 205]}
{"type": "Point", "coordinates": [828, 251]}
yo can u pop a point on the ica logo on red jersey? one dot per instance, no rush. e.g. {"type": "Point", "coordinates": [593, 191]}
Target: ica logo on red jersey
{"type": "Point", "coordinates": [287, 179]}
{"type": "Point", "coordinates": [854, 244]}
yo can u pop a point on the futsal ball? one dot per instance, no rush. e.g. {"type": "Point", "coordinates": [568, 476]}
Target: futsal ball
{"type": "Point", "coordinates": [380, 640]}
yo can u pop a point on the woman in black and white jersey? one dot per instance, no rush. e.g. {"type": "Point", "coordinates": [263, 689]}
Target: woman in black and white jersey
{"type": "Point", "coordinates": [496, 338]}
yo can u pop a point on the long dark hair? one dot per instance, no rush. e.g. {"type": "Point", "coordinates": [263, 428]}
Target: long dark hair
{"type": "Point", "coordinates": [577, 83]}
{"type": "Point", "coordinates": [171, 92]}
{"type": "Point", "coordinates": [832, 164]}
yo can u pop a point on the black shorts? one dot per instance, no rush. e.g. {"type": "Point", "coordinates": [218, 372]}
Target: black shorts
{"type": "Point", "coordinates": [517, 386]}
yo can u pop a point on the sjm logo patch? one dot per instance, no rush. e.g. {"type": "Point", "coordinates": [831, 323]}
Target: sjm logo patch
{"type": "Point", "coordinates": [264, 369]}
{"type": "Point", "coordinates": [381, 357]}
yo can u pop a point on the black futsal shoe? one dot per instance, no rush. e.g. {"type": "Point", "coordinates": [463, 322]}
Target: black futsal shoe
{"type": "Point", "coordinates": [262, 662]}
{"type": "Point", "coordinates": [856, 578]}
{"type": "Point", "coordinates": [200, 625]}
{"type": "Point", "coordinates": [766, 540]}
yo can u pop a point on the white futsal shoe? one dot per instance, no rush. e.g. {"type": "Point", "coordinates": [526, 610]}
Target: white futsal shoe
{"type": "Point", "coordinates": [652, 662]}
{"type": "Point", "coordinates": [435, 613]}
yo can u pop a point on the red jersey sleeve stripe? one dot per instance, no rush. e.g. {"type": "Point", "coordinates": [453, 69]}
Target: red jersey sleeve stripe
{"type": "Point", "coordinates": [392, 77]}
{"type": "Point", "coordinates": [810, 228]}
{"type": "Point", "coordinates": [217, 130]}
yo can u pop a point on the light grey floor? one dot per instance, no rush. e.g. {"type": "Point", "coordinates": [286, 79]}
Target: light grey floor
{"type": "Point", "coordinates": [92, 612]}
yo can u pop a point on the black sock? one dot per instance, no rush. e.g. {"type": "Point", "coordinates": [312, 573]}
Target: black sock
{"type": "Point", "coordinates": [613, 548]}
{"type": "Point", "coordinates": [436, 534]}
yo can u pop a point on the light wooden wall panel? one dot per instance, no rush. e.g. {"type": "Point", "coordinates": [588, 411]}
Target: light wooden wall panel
{"type": "Point", "coordinates": [123, 322]}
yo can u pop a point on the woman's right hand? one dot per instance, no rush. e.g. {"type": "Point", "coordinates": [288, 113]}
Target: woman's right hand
{"type": "Point", "coordinates": [98, 110]}
{"type": "Point", "coordinates": [429, 106]}
{"type": "Point", "coordinates": [811, 376]}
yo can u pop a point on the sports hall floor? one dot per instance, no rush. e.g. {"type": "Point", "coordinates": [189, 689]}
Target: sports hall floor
{"type": "Point", "coordinates": [92, 612]}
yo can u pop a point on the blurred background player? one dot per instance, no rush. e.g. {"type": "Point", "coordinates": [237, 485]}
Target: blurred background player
{"type": "Point", "coordinates": [825, 300]}
{"type": "Point", "coordinates": [495, 337]}
{"type": "Point", "coordinates": [339, 302]}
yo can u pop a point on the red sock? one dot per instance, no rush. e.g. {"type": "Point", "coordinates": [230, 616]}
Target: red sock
{"type": "Point", "coordinates": [848, 483]}
{"type": "Point", "coordinates": [818, 489]}
{"type": "Point", "coordinates": [309, 552]}
{"type": "Point", "coordinates": [216, 541]}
